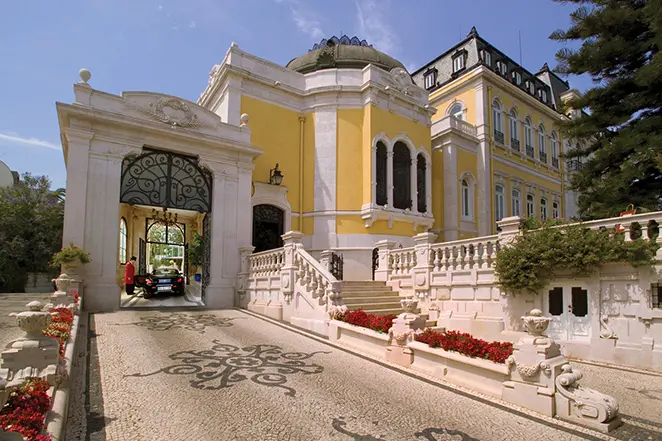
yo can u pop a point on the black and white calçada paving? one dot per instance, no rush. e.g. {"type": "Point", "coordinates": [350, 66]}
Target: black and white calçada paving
{"type": "Point", "coordinates": [229, 375]}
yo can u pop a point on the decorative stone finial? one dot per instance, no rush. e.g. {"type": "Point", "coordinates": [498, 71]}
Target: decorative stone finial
{"type": "Point", "coordinates": [535, 323]}
{"type": "Point", "coordinates": [84, 75]}
{"type": "Point", "coordinates": [409, 304]}
{"type": "Point", "coordinates": [244, 120]}
{"type": "Point", "coordinates": [473, 31]}
{"type": "Point", "coordinates": [33, 321]}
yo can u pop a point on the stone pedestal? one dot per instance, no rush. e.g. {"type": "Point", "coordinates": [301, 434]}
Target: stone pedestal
{"type": "Point", "coordinates": [542, 380]}
{"type": "Point", "coordinates": [33, 355]}
{"type": "Point", "coordinates": [404, 328]}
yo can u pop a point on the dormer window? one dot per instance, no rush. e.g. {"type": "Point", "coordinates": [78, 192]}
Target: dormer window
{"type": "Point", "coordinates": [543, 96]}
{"type": "Point", "coordinates": [487, 57]}
{"type": "Point", "coordinates": [459, 61]}
{"type": "Point", "coordinates": [501, 67]}
{"type": "Point", "coordinates": [517, 78]}
{"type": "Point", "coordinates": [532, 88]}
{"type": "Point", "coordinates": [430, 79]}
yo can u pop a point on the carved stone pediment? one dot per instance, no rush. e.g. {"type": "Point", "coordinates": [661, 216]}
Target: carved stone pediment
{"type": "Point", "coordinates": [170, 110]}
{"type": "Point", "coordinates": [400, 80]}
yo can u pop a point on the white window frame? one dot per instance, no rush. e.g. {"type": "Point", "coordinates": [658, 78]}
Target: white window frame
{"type": "Point", "coordinates": [430, 79]}
{"type": "Point", "coordinates": [487, 58]}
{"type": "Point", "coordinates": [518, 78]}
{"type": "Point", "coordinates": [515, 202]}
{"type": "Point", "coordinates": [553, 146]}
{"type": "Point", "coordinates": [543, 208]}
{"type": "Point", "coordinates": [530, 205]}
{"type": "Point", "coordinates": [556, 213]}
{"type": "Point", "coordinates": [454, 112]}
{"type": "Point", "coordinates": [496, 116]}
{"type": "Point", "coordinates": [528, 132]}
{"type": "Point", "coordinates": [514, 130]}
{"type": "Point", "coordinates": [458, 63]}
{"type": "Point", "coordinates": [124, 239]}
{"type": "Point", "coordinates": [542, 148]}
{"type": "Point", "coordinates": [466, 199]}
{"type": "Point", "coordinates": [499, 202]}
{"type": "Point", "coordinates": [543, 95]}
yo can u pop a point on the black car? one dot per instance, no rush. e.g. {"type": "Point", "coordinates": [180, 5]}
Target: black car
{"type": "Point", "coordinates": [164, 280]}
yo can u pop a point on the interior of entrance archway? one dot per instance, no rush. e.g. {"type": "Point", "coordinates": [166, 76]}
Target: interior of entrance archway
{"type": "Point", "coordinates": [158, 244]}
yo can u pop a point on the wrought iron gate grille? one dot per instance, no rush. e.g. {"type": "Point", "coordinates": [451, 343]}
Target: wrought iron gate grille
{"type": "Point", "coordinates": [336, 266]}
{"type": "Point", "coordinates": [165, 179]}
{"type": "Point", "coordinates": [206, 253]}
{"type": "Point", "coordinates": [375, 262]}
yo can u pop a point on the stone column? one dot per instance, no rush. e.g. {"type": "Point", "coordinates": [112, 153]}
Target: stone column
{"type": "Point", "coordinates": [102, 224]}
{"type": "Point", "coordinates": [483, 213]}
{"type": "Point", "coordinates": [423, 267]}
{"type": "Point", "coordinates": [77, 162]}
{"type": "Point", "coordinates": [243, 278]}
{"type": "Point", "coordinates": [325, 176]}
{"type": "Point", "coordinates": [451, 198]}
{"type": "Point", "coordinates": [383, 272]}
{"type": "Point", "coordinates": [389, 176]}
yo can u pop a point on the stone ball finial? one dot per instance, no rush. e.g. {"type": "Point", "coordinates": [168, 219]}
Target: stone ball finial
{"type": "Point", "coordinates": [35, 305]}
{"type": "Point", "coordinates": [244, 119]}
{"type": "Point", "coordinates": [84, 75]}
{"type": "Point", "coordinates": [535, 323]}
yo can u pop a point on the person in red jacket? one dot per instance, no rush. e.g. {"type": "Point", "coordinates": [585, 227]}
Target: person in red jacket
{"type": "Point", "coordinates": [129, 272]}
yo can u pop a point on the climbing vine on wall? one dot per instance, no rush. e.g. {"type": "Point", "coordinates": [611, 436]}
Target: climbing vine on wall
{"type": "Point", "coordinates": [531, 260]}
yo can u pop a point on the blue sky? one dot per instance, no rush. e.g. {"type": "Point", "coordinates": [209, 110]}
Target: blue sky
{"type": "Point", "coordinates": [169, 46]}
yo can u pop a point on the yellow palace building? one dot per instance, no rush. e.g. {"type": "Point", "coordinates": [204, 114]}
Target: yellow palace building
{"type": "Point", "coordinates": [356, 150]}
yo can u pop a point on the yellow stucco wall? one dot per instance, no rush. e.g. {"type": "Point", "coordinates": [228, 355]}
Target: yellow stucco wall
{"type": "Point", "coordinates": [350, 169]}
{"type": "Point", "coordinates": [466, 97]}
{"type": "Point", "coordinates": [276, 130]}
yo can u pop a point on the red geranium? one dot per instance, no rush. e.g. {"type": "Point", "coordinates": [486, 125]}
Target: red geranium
{"type": "Point", "coordinates": [465, 344]}
{"type": "Point", "coordinates": [379, 323]}
{"type": "Point", "coordinates": [26, 409]}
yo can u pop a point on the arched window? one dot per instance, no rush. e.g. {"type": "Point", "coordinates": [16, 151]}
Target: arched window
{"type": "Point", "coordinates": [124, 239]}
{"type": "Point", "coordinates": [496, 118]}
{"type": "Point", "coordinates": [543, 208]}
{"type": "Point", "coordinates": [542, 147]}
{"type": "Point", "coordinates": [555, 210]}
{"type": "Point", "coordinates": [421, 167]}
{"type": "Point", "coordinates": [499, 205]}
{"type": "Point", "coordinates": [467, 200]}
{"type": "Point", "coordinates": [514, 129]}
{"type": "Point", "coordinates": [528, 136]}
{"type": "Point", "coordinates": [457, 111]}
{"type": "Point", "coordinates": [401, 176]}
{"type": "Point", "coordinates": [530, 205]}
{"type": "Point", "coordinates": [381, 164]}
{"type": "Point", "coordinates": [515, 202]}
{"type": "Point", "coordinates": [554, 149]}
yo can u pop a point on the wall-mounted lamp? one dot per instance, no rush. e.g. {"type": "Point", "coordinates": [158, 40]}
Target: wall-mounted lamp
{"type": "Point", "coordinates": [275, 176]}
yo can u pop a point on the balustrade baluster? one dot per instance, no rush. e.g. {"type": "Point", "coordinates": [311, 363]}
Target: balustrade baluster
{"type": "Point", "coordinates": [466, 258]}
{"type": "Point", "coordinates": [435, 260]}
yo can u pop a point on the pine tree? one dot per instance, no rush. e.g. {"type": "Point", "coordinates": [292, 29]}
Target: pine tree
{"type": "Point", "coordinates": [621, 129]}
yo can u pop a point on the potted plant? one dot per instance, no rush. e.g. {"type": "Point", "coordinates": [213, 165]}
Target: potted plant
{"type": "Point", "coordinates": [70, 258]}
{"type": "Point", "coordinates": [195, 252]}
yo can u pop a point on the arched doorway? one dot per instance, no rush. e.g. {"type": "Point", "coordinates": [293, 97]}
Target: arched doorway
{"type": "Point", "coordinates": [168, 180]}
{"type": "Point", "coordinates": [268, 227]}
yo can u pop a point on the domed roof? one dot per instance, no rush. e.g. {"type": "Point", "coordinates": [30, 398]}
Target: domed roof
{"type": "Point", "coordinates": [343, 52]}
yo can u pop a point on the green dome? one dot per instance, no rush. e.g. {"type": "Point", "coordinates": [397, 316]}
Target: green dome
{"type": "Point", "coordinates": [336, 53]}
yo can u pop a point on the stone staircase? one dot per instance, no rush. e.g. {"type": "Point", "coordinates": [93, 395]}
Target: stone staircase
{"type": "Point", "coordinates": [374, 297]}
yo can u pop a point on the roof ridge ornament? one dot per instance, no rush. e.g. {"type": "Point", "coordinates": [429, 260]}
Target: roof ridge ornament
{"type": "Point", "coordinates": [344, 39]}
{"type": "Point", "coordinates": [473, 32]}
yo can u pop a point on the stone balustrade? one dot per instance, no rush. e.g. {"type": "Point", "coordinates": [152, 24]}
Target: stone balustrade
{"type": "Point", "coordinates": [267, 263]}
{"type": "Point", "coordinates": [471, 253]}
{"type": "Point", "coordinates": [36, 356]}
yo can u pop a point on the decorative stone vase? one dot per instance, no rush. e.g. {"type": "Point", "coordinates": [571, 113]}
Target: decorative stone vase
{"type": "Point", "coordinates": [535, 323]}
{"type": "Point", "coordinates": [34, 321]}
{"type": "Point", "coordinates": [409, 304]}
{"type": "Point", "coordinates": [71, 267]}
{"type": "Point", "coordinates": [4, 392]}
{"type": "Point", "coordinates": [63, 282]}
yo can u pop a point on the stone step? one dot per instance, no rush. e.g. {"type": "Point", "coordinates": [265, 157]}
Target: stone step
{"type": "Point", "coordinates": [346, 294]}
{"type": "Point", "coordinates": [376, 305]}
{"type": "Point", "coordinates": [355, 300]}
{"type": "Point", "coordinates": [387, 311]}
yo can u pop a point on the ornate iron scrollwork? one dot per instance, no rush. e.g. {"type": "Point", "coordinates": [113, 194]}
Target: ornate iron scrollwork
{"type": "Point", "coordinates": [165, 179]}
{"type": "Point", "coordinates": [336, 266]}
{"type": "Point", "coordinates": [206, 254]}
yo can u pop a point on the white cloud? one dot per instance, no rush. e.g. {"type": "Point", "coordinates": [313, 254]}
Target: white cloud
{"type": "Point", "coordinates": [374, 27]}
{"type": "Point", "coordinates": [16, 138]}
{"type": "Point", "coordinates": [304, 18]}
{"type": "Point", "coordinates": [191, 24]}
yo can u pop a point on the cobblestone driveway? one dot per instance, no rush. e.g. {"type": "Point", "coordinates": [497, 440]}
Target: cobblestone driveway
{"type": "Point", "coordinates": [226, 375]}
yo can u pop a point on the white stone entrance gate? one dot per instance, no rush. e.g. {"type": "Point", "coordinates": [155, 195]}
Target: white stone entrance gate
{"type": "Point", "coordinates": [99, 130]}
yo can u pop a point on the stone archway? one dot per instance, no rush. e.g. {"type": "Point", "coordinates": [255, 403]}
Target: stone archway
{"type": "Point", "coordinates": [268, 227]}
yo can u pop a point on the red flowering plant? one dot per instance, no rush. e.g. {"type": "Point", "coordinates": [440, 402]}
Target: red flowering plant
{"type": "Point", "coordinates": [60, 327]}
{"type": "Point", "coordinates": [26, 410]}
{"type": "Point", "coordinates": [76, 295]}
{"type": "Point", "coordinates": [465, 344]}
{"type": "Point", "coordinates": [379, 323]}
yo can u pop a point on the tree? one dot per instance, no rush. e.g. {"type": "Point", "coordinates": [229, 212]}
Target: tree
{"type": "Point", "coordinates": [31, 220]}
{"type": "Point", "coordinates": [621, 130]}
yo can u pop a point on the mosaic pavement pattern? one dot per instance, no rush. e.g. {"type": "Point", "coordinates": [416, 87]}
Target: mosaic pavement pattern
{"type": "Point", "coordinates": [255, 380]}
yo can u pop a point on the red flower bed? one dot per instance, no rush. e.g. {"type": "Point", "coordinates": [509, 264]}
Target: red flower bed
{"type": "Point", "coordinates": [26, 409]}
{"type": "Point", "coordinates": [60, 327]}
{"type": "Point", "coordinates": [465, 344]}
{"type": "Point", "coordinates": [379, 323]}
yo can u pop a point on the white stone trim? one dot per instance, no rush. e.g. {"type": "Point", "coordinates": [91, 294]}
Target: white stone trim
{"type": "Point", "coordinates": [509, 162]}
{"type": "Point", "coordinates": [325, 187]}
{"type": "Point", "coordinates": [276, 195]}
